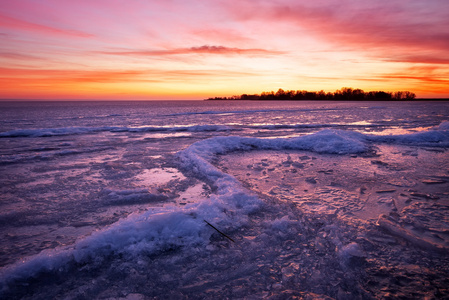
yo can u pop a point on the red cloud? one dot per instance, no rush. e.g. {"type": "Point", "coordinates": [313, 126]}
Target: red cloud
{"type": "Point", "coordinates": [426, 74]}
{"type": "Point", "coordinates": [429, 59]}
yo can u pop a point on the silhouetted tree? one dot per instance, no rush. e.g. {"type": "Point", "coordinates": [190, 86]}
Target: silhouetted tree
{"type": "Point", "coordinates": [358, 94]}
{"type": "Point", "coordinates": [379, 95]}
{"type": "Point", "coordinates": [398, 95]}
{"type": "Point", "coordinates": [281, 95]}
{"type": "Point", "coordinates": [409, 95]}
{"type": "Point", "coordinates": [404, 95]}
{"type": "Point", "coordinates": [345, 93]}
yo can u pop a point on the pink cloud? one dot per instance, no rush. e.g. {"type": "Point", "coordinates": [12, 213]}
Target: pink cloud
{"type": "Point", "coordinates": [392, 25]}
{"type": "Point", "coordinates": [206, 49]}
{"type": "Point", "coordinates": [222, 35]}
{"type": "Point", "coordinates": [17, 24]}
{"type": "Point", "coordinates": [18, 56]}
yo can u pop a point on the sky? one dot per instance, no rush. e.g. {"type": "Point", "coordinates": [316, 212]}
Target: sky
{"type": "Point", "coordinates": [194, 49]}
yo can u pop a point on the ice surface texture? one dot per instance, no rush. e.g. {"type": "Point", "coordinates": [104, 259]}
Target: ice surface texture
{"type": "Point", "coordinates": [168, 250]}
{"type": "Point", "coordinates": [228, 207]}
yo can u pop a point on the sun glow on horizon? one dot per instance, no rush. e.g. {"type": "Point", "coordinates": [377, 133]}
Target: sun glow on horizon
{"type": "Point", "coordinates": [193, 49]}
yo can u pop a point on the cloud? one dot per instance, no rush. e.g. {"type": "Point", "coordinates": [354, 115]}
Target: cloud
{"type": "Point", "coordinates": [32, 83]}
{"type": "Point", "coordinates": [206, 49]}
{"type": "Point", "coordinates": [58, 76]}
{"type": "Point", "coordinates": [17, 24]}
{"type": "Point", "coordinates": [386, 27]}
{"type": "Point", "coordinates": [18, 56]}
{"type": "Point", "coordinates": [63, 76]}
{"type": "Point", "coordinates": [425, 74]}
{"type": "Point", "coordinates": [220, 35]}
{"type": "Point", "coordinates": [426, 80]}
{"type": "Point", "coordinates": [423, 59]}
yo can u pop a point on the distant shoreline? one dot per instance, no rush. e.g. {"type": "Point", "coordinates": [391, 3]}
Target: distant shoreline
{"type": "Point", "coordinates": [236, 100]}
{"type": "Point", "coordinates": [335, 100]}
{"type": "Point", "coordinates": [345, 94]}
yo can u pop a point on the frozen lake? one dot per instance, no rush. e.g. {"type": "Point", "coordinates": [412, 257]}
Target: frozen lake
{"type": "Point", "coordinates": [222, 199]}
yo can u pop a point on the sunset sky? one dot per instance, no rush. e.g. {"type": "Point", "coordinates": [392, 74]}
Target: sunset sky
{"type": "Point", "coordinates": [194, 49]}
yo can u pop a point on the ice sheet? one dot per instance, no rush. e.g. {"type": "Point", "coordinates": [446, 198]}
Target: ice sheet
{"type": "Point", "coordinates": [327, 213]}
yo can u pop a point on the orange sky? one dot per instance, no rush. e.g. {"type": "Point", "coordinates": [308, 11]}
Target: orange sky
{"type": "Point", "coordinates": [194, 49]}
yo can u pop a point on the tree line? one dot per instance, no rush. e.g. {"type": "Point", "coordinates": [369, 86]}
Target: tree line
{"type": "Point", "coordinates": [342, 94]}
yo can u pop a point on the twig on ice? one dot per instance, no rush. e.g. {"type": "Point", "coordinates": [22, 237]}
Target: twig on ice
{"type": "Point", "coordinates": [219, 231]}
